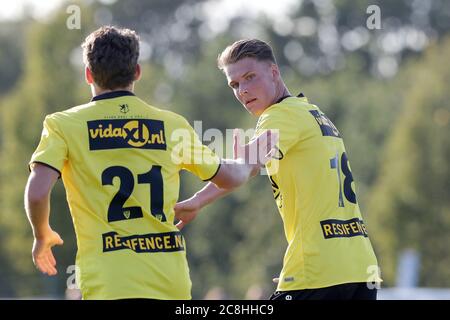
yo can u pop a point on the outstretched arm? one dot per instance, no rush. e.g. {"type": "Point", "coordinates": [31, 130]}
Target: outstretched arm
{"type": "Point", "coordinates": [37, 207]}
{"type": "Point", "coordinates": [187, 210]}
{"type": "Point", "coordinates": [232, 174]}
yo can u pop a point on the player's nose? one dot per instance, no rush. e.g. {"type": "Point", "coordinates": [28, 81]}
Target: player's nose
{"type": "Point", "coordinates": [243, 91]}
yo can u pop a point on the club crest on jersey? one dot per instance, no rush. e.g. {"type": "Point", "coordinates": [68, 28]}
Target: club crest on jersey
{"type": "Point", "coordinates": [126, 133]}
{"type": "Point", "coordinates": [124, 108]}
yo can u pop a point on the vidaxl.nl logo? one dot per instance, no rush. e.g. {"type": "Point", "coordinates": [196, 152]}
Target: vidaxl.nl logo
{"type": "Point", "coordinates": [125, 133]}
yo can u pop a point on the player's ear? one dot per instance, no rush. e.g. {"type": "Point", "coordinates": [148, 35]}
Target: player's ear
{"type": "Point", "coordinates": [88, 75]}
{"type": "Point", "coordinates": [275, 71]}
{"type": "Point", "coordinates": [137, 74]}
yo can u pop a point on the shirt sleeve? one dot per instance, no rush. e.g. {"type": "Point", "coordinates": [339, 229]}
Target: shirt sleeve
{"type": "Point", "coordinates": [195, 157]}
{"type": "Point", "coordinates": [52, 149]}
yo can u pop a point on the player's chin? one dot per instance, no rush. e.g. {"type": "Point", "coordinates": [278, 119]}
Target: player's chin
{"type": "Point", "coordinates": [250, 109]}
{"type": "Point", "coordinates": [255, 111]}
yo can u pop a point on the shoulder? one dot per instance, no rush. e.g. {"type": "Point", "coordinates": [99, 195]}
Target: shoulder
{"type": "Point", "coordinates": [64, 119]}
{"type": "Point", "coordinates": [290, 109]}
{"type": "Point", "coordinates": [68, 113]}
{"type": "Point", "coordinates": [170, 115]}
{"type": "Point", "coordinates": [280, 112]}
{"type": "Point", "coordinates": [292, 115]}
{"type": "Point", "coordinates": [164, 114]}
{"type": "Point", "coordinates": [291, 105]}
{"type": "Point", "coordinates": [172, 118]}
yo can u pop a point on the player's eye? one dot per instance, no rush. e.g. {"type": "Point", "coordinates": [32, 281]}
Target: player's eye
{"type": "Point", "coordinates": [234, 85]}
{"type": "Point", "coordinates": [250, 77]}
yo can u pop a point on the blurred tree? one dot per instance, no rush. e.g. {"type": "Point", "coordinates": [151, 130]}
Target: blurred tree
{"type": "Point", "coordinates": [11, 60]}
{"type": "Point", "coordinates": [50, 82]}
{"type": "Point", "coordinates": [410, 207]}
{"type": "Point", "coordinates": [168, 29]}
{"type": "Point", "coordinates": [316, 37]}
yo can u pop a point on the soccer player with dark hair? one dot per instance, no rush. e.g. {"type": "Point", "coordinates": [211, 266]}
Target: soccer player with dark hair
{"type": "Point", "coordinates": [119, 159]}
{"type": "Point", "coordinates": [329, 254]}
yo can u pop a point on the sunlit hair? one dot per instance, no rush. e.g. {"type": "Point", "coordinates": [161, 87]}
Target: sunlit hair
{"type": "Point", "coordinates": [112, 55]}
{"type": "Point", "coordinates": [247, 48]}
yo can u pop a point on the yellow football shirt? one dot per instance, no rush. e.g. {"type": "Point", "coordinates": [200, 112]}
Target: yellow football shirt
{"type": "Point", "coordinates": [313, 187]}
{"type": "Point", "coordinates": [119, 159]}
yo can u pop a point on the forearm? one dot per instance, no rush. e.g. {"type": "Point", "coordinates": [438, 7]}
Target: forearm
{"type": "Point", "coordinates": [242, 172]}
{"type": "Point", "coordinates": [212, 191]}
{"type": "Point", "coordinates": [209, 194]}
{"type": "Point", "coordinates": [37, 207]}
{"type": "Point", "coordinates": [37, 198]}
{"type": "Point", "coordinates": [38, 212]}
{"type": "Point", "coordinates": [234, 173]}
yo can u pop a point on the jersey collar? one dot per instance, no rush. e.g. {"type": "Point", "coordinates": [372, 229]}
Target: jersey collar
{"type": "Point", "coordinates": [300, 95]}
{"type": "Point", "coordinates": [112, 94]}
{"type": "Point", "coordinates": [282, 98]}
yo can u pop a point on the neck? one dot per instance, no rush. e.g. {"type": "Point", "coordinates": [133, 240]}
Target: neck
{"type": "Point", "coordinates": [282, 91]}
{"type": "Point", "coordinates": [98, 91]}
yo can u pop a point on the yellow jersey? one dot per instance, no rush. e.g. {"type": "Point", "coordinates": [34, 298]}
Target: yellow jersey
{"type": "Point", "coordinates": [119, 159]}
{"type": "Point", "coordinates": [314, 190]}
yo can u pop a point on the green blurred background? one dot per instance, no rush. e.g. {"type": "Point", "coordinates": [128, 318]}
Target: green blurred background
{"type": "Point", "coordinates": [387, 90]}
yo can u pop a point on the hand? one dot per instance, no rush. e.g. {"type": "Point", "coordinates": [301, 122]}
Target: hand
{"type": "Point", "coordinates": [186, 211]}
{"type": "Point", "coordinates": [260, 150]}
{"type": "Point", "coordinates": [238, 149]}
{"type": "Point", "coordinates": [42, 253]}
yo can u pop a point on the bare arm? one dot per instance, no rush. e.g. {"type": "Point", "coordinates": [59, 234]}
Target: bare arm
{"type": "Point", "coordinates": [209, 194]}
{"type": "Point", "coordinates": [187, 210]}
{"type": "Point", "coordinates": [37, 207]}
{"type": "Point", "coordinates": [37, 198]}
{"type": "Point", "coordinates": [232, 174]}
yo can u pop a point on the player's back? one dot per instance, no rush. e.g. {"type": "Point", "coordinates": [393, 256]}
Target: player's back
{"type": "Point", "coordinates": [122, 184]}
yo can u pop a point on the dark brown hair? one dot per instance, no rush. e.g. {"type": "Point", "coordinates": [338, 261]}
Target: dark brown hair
{"type": "Point", "coordinates": [111, 54]}
{"type": "Point", "coordinates": [247, 48]}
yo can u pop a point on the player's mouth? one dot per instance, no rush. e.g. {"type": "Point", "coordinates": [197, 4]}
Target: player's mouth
{"type": "Point", "coordinates": [249, 101]}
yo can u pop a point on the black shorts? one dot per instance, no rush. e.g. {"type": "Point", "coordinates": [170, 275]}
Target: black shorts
{"type": "Point", "coordinates": [346, 291]}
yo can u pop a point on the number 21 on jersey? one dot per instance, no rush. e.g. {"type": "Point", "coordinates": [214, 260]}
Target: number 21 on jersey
{"type": "Point", "coordinates": [116, 209]}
